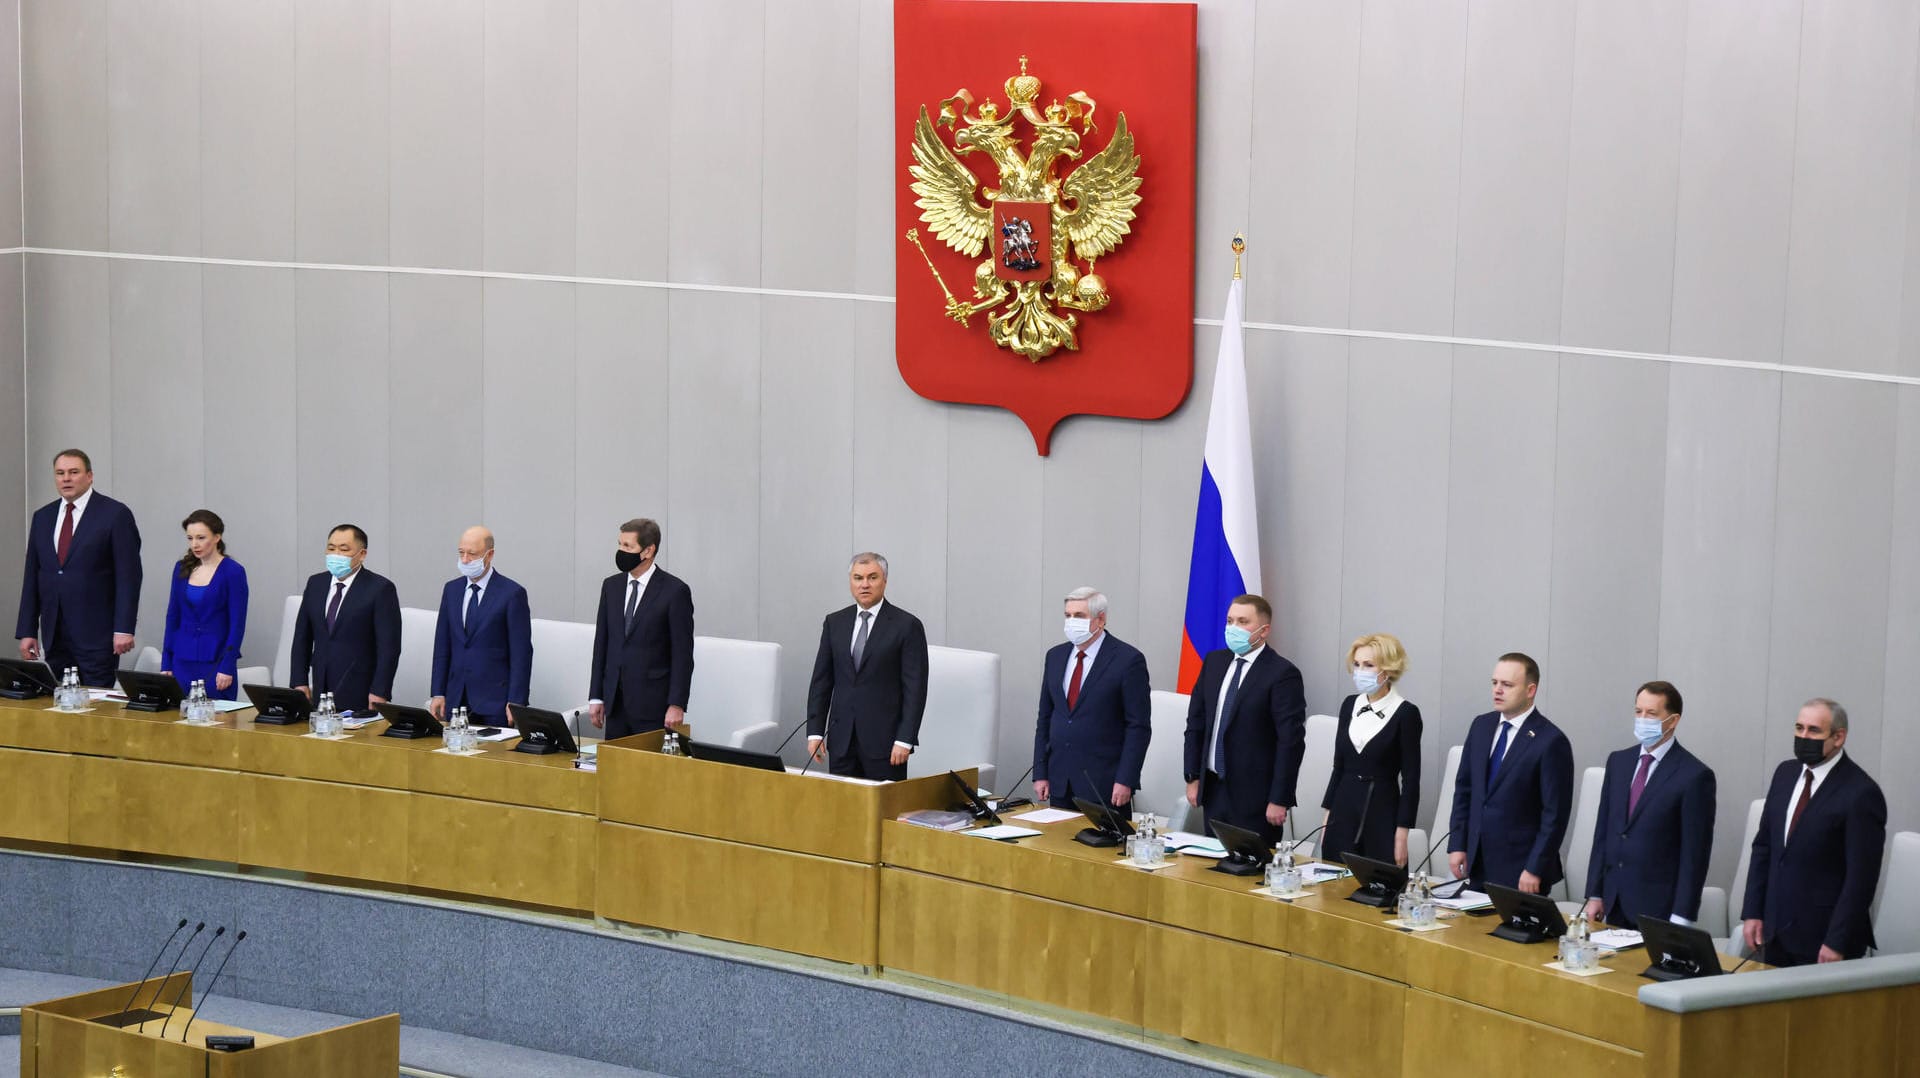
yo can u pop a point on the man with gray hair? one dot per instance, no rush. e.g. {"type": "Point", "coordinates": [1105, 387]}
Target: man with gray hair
{"type": "Point", "coordinates": [1816, 856]}
{"type": "Point", "coordinates": [1090, 740]}
{"type": "Point", "coordinates": [869, 686]}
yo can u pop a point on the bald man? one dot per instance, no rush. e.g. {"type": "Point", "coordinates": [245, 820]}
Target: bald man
{"type": "Point", "coordinates": [483, 643]}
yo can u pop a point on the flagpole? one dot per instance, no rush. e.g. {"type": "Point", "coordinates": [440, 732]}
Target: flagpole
{"type": "Point", "coordinates": [1239, 245]}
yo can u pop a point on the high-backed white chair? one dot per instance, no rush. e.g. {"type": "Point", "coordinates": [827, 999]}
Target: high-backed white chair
{"type": "Point", "coordinates": [1586, 813]}
{"type": "Point", "coordinates": [735, 697]}
{"type": "Point", "coordinates": [148, 661]}
{"type": "Point", "coordinates": [562, 667]}
{"type": "Point", "coordinates": [1896, 921]}
{"type": "Point", "coordinates": [1734, 942]}
{"type": "Point", "coordinates": [283, 650]}
{"type": "Point", "coordinates": [961, 727]}
{"type": "Point", "coordinates": [412, 681]}
{"type": "Point", "coordinates": [1316, 767]}
{"type": "Point", "coordinates": [1163, 780]}
{"type": "Point", "coordinates": [253, 675]}
{"type": "Point", "coordinates": [1420, 843]}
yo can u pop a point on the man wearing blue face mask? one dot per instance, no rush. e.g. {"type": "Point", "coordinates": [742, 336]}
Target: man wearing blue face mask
{"type": "Point", "coordinates": [1246, 727]}
{"type": "Point", "coordinates": [346, 639]}
{"type": "Point", "coordinates": [1095, 712]}
{"type": "Point", "coordinates": [483, 639]}
{"type": "Point", "coordinates": [1654, 833]}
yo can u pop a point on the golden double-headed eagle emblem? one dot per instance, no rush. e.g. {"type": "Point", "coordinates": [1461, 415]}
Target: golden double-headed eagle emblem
{"type": "Point", "coordinates": [1034, 227]}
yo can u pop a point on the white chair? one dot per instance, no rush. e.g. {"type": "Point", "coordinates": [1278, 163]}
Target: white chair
{"type": "Point", "coordinates": [562, 667]}
{"type": "Point", "coordinates": [283, 652]}
{"type": "Point", "coordinates": [1896, 921]}
{"type": "Point", "coordinates": [253, 675]}
{"type": "Point", "coordinates": [1163, 780]}
{"type": "Point", "coordinates": [413, 680]}
{"type": "Point", "coordinates": [735, 696]}
{"type": "Point", "coordinates": [1586, 813]}
{"type": "Point", "coordinates": [1420, 843]}
{"type": "Point", "coordinates": [148, 661]}
{"type": "Point", "coordinates": [1316, 768]}
{"type": "Point", "coordinates": [1734, 942]}
{"type": "Point", "coordinates": [961, 727]}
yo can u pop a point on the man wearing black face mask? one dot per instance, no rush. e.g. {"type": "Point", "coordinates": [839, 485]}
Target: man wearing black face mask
{"type": "Point", "coordinates": [642, 640]}
{"type": "Point", "coordinates": [1816, 857]}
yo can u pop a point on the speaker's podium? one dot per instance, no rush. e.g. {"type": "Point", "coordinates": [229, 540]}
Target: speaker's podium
{"type": "Point", "coordinates": [100, 1035]}
{"type": "Point", "coordinates": [771, 858]}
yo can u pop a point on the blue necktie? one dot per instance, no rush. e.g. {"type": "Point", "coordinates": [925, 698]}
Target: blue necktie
{"type": "Point", "coordinates": [1499, 752]}
{"type": "Point", "coordinates": [1226, 711]}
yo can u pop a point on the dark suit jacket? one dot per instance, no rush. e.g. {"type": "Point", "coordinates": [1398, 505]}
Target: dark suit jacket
{"type": "Point", "coordinates": [1654, 862]}
{"type": "Point", "coordinates": [1375, 791]}
{"type": "Point", "coordinates": [488, 661]}
{"type": "Point", "coordinates": [885, 700]}
{"type": "Point", "coordinates": [210, 632]}
{"type": "Point", "coordinates": [1265, 731]}
{"type": "Point", "coordinates": [1815, 889]}
{"type": "Point", "coordinates": [359, 656]}
{"type": "Point", "coordinates": [1514, 824]}
{"type": "Point", "coordinates": [651, 665]}
{"type": "Point", "coordinates": [97, 593]}
{"type": "Point", "coordinates": [1103, 738]}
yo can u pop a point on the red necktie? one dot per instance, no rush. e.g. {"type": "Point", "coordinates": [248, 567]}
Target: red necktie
{"type": "Point", "coordinates": [1073, 687]}
{"type": "Point", "coordinates": [66, 537]}
{"type": "Point", "coordinates": [1800, 806]}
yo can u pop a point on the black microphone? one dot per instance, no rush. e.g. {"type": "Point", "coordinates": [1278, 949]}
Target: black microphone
{"type": "Point", "coordinates": [217, 933]}
{"type": "Point", "coordinates": [808, 766]}
{"type": "Point", "coordinates": [155, 964]}
{"type": "Point", "coordinates": [1015, 802]}
{"type": "Point", "coordinates": [208, 990]}
{"type": "Point", "coordinates": [1294, 844]}
{"type": "Point", "coordinates": [1764, 944]}
{"type": "Point", "coordinates": [1106, 807]}
{"type": "Point", "coordinates": [173, 968]}
{"type": "Point", "coordinates": [1433, 848]}
{"type": "Point", "coordinates": [801, 725]}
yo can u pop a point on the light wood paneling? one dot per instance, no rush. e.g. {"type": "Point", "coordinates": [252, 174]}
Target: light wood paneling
{"type": "Point", "coordinates": [354, 832]}
{"type": "Point", "coordinates": [34, 795]}
{"type": "Point", "coordinates": [1474, 1040]}
{"type": "Point", "coordinates": [155, 808]}
{"type": "Point", "coordinates": [513, 854]}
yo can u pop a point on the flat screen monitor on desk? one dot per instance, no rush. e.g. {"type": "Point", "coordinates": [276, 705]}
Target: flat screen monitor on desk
{"type": "Point", "coordinates": [1109, 828]}
{"type": "Point", "coordinates": [541, 732]}
{"type": "Point", "coordinates": [727, 754]}
{"type": "Point", "coordinates": [1525, 918]}
{"type": "Point", "coordinates": [278, 706]}
{"type": "Point", "coordinates": [408, 722]}
{"type": "Point", "coordinates": [150, 692]}
{"type": "Point", "coordinates": [1247, 851]}
{"type": "Point", "coordinates": [1678, 951]}
{"type": "Point", "coordinates": [1380, 881]}
{"type": "Point", "coordinates": [24, 679]}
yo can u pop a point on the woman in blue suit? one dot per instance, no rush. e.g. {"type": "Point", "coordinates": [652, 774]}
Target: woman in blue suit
{"type": "Point", "coordinates": [206, 611]}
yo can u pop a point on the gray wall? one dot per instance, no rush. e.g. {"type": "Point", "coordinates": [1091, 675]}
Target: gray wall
{"type": "Point", "coordinates": [1721, 178]}
{"type": "Point", "coordinates": [13, 370]}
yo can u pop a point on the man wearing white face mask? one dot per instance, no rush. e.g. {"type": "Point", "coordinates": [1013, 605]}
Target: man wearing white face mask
{"type": "Point", "coordinates": [1090, 740]}
{"type": "Point", "coordinates": [1654, 833]}
{"type": "Point", "coordinates": [483, 640]}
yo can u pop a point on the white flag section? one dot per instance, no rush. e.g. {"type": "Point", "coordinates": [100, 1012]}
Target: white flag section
{"type": "Point", "coordinates": [1229, 453]}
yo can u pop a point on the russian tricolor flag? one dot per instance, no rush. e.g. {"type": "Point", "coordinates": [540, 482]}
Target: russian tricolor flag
{"type": "Point", "coordinates": [1226, 532]}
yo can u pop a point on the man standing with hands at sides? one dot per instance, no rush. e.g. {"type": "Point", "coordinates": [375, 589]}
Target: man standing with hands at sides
{"type": "Point", "coordinates": [346, 639]}
{"type": "Point", "coordinates": [1816, 856]}
{"type": "Point", "coordinates": [80, 592]}
{"type": "Point", "coordinates": [1513, 793]}
{"type": "Point", "coordinates": [1246, 727]}
{"type": "Point", "coordinates": [1095, 712]}
{"type": "Point", "coordinates": [483, 639]}
{"type": "Point", "coordinates": [642, 640]}
{"type": "Point", "coordinates": [1654, 833]}
{"type": "Point", "coordinates": [869, 686]}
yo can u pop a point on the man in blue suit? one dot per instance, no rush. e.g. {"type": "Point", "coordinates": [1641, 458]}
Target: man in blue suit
{"type": "Point", "coordinates": [1514, 791]}
{"type": "Point", "coordinates": [1816, 857]}
{"type": "Point", "coordinates": [346, 639]}
{"type": "Point", "coordinates": [1246, 727]}
{"type": "Point", "coordinates": [483, 639]}
{"type": "Point", "coordinates": [80, 591]}
{"type": "Point", "coordinates": [1095, 712]}
{"type": "Point", "coordinates": [1654, 833]}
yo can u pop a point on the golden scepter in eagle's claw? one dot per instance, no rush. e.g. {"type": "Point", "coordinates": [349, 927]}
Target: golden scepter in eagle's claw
{"type": "Point", "coordinates": [956, 310]}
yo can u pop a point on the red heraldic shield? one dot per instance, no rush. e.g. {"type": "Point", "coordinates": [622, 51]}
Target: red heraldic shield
{"type": "Point", "coordinates": [1132, 358]}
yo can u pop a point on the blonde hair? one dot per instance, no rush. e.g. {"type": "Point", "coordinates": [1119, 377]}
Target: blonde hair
{"type": "Point", "coordinates": [1388, 656]}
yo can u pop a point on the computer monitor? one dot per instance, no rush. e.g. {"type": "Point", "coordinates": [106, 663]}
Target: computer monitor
{"type": "Point", "coordinates": [24, 679]}
{"type": "Point", "coordinates": [150, 692]}
{"type": "Point", "coordinates": [1678, 951]}
{"type": "Point", "coordinates": [1109, 828]}
{"type": "Point", "coordinates": [408, 722]}
{"type": "Point", "coordinates": [541, 732]}
{"type": "Point", "coordinates": [727, 754]}
{"type": "Point", "coordinates": [972, 803]}
{"type": "Point", "coordinates": [1380, 881]}
{"type": "Point", "coordinates": [277, 706]}
{"type": "Point", "coordinates": [1247, 851]}
{"type": "Point", "coordinates": [1525, 918]}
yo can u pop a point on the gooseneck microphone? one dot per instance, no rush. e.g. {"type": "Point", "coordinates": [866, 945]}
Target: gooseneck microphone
{"type": "Point", "coordinates": [1016, 802]}
{"type": "Point", "coordinates": [1106, 808]}
{"type": "Point", "coordinates": [1436, 847]}
{"type": "Point", "coordinates": [208, 990]}
{"type": "Point", "coordinates": [151, 966]}
{"type": "Point", "coordinates": [1764, 944]}
{"type": "Point", "coordinates": [799, 726]}
{"type": "Point", "coordinates": [1295, 844]}
{"type": "Point", "coordinates": [217, 933]}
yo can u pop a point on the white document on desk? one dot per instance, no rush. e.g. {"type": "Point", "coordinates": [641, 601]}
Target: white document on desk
{"type": "Point", "coordinates": [1465, 900]}
{"type": "Point", "coordinates": [1002, 832]}
{"type": "Point", "coordinates": [1617, 939]}
{"type": "Point", "coordinates": [224, 706]}
{"type": "Point", "coordinates": [1045, 815]}
{"type": "Point", "coordinates": [1196, 845]}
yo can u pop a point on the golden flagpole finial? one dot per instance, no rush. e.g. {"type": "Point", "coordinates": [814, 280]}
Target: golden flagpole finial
{"type": "Point", "coordinates": [1239, 245]}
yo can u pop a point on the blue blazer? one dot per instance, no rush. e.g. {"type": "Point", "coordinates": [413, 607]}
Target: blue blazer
{"type": "Point", "coordinates": [358, 657]}
{"type": "Point", "coordinates": [210, 632]}
{"type": "Point", "coordinates": [97, 593]}
{"type": "Point", "coordinates": [488, 661]}
{"type": "Point", "coordinates": [1516, 822]}
{"type": "Point", "coordinates": [1816, 889]}
{"type": "Point", "coordinates": [1105, 737]}
{"type": "Point", "coordinates": [1654, 862]}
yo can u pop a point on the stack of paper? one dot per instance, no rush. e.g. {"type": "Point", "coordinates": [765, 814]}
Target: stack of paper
{"type": "Point", "coordinates": [1045, 815]}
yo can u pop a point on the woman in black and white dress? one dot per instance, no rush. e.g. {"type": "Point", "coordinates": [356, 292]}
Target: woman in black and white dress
{"type": "Point", "coordinates": [1374, 792]}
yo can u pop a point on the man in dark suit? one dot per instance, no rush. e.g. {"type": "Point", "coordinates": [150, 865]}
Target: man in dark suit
{"type": "Point", "coordinates": [1816, 857]}
{"type": "Point", "coordinates": [80, 591]}
{"type": "Point", "coordinates": [1513, 794]}
{"type": "Point", "coordinates": [1246, 727]}
{"type": "Point", "coordinates": [346, 639]}
{"type": "Point", "coordinates": [1095, 712]}
{"type": "Point", "coordinates": [642, 640]}
{"type": "Point", "coordinates": [483, 639]}
{"type": "Point", "coordinates": [1654, 833]}
{"type": "Point", "coordinates": [869, 685]}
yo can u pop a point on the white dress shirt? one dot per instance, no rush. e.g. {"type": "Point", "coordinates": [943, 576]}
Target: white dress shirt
{"type": "Point", "coordinates": [1220, 702]}
{"type": "Point", "coordinates": [346, 583]}
{"type": "Point", "coordinates": [1820, 774]}
{"type": "Point", "coordinates": [1092, 651]}
{"type": "Point", "coordinates": [474, 598]}
{"type": "Point", "coordinates": [1513, 734]}
{"type": "Point", "coordinates": [871, 622]}
{"type": "Point", "coordinates": [60, 515]}
{"type": "Point", "coordinates": [1369, 717]}
{"type": "Point", "coordinates": [630, 597]}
